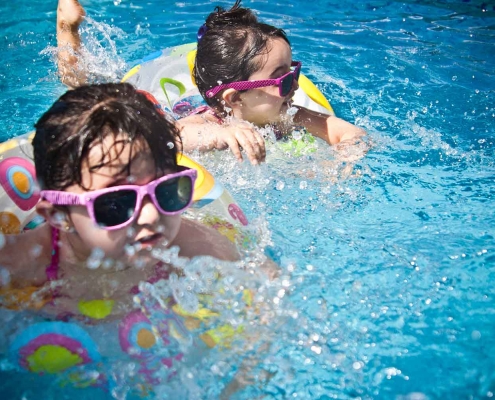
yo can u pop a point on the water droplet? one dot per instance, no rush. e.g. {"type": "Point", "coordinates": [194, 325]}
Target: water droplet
{"type": "Point", "coordinates": [4, 276]}
{"type": "Point", "coordinates": [36, 250]}
{"type": "Point", "coordinates": [357, 365]}
{"type": "Point", "coordinates": [129, 250]}
{"type": "Point", "coordinates": [280, 185]}
{"type": "Point", "coordinates": [96, 258]}
{"type": "Point", "coordinates": [292, 111]}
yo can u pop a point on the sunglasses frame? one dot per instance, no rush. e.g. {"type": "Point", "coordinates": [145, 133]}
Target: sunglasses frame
{"type": "Point", "coordinates": [87, 199]}
{"type": "Point", "coordinates": [246, 85]}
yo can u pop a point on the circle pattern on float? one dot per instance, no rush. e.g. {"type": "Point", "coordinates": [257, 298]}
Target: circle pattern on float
{"type": "Point", "coordinates": [9, 223]}
{"type": "Point", "coordinates": [53, 347]}
{"type": "Point", "coordinates": [18, 180]}
{"type": "Point", "coordinates": [21, 181]}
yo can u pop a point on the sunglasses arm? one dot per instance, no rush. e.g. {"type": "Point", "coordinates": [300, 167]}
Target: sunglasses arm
{"type": "Point", "coordinates": [63, 198]}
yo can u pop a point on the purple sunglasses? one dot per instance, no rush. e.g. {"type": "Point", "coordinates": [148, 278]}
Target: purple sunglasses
{"type": "Point", "coordinates": [116, 207]}
{"type": "Point", "coordinates": [284, 83]}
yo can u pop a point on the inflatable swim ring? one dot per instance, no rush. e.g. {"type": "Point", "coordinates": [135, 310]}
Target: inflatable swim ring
{"type": "Point", "coordinates": [153, 336]}
{"type": "Point", "coordinates": [55, 347]}
{"type": "Point", "coordinates": [19, 191]}
{"type": "Point", "coordinates": [167, 75]}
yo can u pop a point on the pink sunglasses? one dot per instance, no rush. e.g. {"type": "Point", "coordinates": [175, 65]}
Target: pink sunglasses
{"type": "Point", "coordinates": [116, 207]}
{"type": "Point", "coordinates": [284, 83]}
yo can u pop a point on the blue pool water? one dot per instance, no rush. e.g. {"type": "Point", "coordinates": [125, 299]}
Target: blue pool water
{"type": "Point", "coordinates": [390, 261]}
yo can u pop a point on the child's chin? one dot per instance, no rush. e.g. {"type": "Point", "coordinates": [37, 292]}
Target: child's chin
{"type": "Point", "coordinates": [142, 260]}
{"type": "Point", "coordinates": [274, 119]}
{"type": "Point", "coordinates": [283, 109]}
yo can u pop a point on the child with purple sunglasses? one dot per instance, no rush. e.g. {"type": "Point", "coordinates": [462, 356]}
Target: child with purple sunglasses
{"type": "Point", "coordinates": [111, 190]}
{"type": "Point", "coordinates": [244, 72]}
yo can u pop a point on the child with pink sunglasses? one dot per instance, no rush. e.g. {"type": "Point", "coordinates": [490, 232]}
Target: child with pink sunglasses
{"type": "Point", "coordinates": [111, 190]}
{"type": "Point", "coordinates": [244, 72]}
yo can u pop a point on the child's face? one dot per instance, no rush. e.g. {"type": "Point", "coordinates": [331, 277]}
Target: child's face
{"type": "Point", "coordinates": [131, 244]}
{"type": "Point", "coordinates": [264, 105]}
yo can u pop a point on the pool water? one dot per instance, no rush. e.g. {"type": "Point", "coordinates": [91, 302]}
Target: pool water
{"type": "Point", "coordinates": [387, 261]}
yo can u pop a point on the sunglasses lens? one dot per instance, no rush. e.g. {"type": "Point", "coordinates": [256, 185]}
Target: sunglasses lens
{"type": "Point", "coordinates": [298, 72]}
{"type": "Point", "coordinates": [174, 194]}
{"type": "Point", "coordinates": [112, 209]}
{"type": "Point", "coordinates": [286, 84]}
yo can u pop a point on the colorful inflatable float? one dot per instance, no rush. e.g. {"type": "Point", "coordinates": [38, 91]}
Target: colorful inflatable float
{"type": "Point", "coordinates": [151, 335]}
{"type": "Point", "coordinates": [167, 75]}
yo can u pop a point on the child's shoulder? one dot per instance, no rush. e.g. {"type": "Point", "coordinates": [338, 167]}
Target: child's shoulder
{"type": "Point", "coordinates": [196, 239]}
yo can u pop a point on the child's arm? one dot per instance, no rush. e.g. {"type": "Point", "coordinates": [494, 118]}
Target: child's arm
{"type": "Point", "coordinates": [204, 133]}
{"type": "Point", "coordinates": [69, 16]}
{"type": "Point", "coordinates": [329, 128]}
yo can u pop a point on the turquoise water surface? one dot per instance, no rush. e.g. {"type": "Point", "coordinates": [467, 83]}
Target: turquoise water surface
{"type": "Point", "coordinates": [389, 261]}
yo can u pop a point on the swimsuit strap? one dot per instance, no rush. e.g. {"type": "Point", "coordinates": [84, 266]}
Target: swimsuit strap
{"type": "Point", "coordinates": [52, 269]}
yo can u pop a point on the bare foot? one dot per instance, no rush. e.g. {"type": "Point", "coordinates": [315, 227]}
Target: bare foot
{"type": "Point", "coordinates": [69, 14]}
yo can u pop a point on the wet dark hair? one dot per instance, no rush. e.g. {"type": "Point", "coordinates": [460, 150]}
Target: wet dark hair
{"type": "Point", "coordinates": [82, 118]}
{"type": "Point", "coordinates": [229, 47]}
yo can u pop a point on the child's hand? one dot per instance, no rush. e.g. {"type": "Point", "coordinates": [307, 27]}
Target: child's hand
{"type": "Point", "coordinates": [242, 137]}
{"type": "Point", "coordinates": [204, 133]}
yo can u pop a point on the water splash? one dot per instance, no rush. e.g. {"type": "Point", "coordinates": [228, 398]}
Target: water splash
{"type": "Point", "coordinates": [236, 297]}
{"type": "Point", "coordinates": [98, 57]}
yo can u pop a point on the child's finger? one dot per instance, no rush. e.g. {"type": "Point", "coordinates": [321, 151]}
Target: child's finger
{"type": "Point", "coordinates": [234, 147]}
{"type": "Point", "coordinates": [246, 141]}
{"type": "Point", "coordinates": [257, 143]}
{"type": "Point", "coordinates": [261, 144]}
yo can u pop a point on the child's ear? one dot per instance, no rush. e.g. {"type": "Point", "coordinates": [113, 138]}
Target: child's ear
{"type": "Point", "coordinates": [231, 97]}
{"type": "Point", "coordinates": [55, 217]}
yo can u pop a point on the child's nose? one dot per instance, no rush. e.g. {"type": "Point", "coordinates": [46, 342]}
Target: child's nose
{"type": "Point", "coordinates": [149, 214]}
